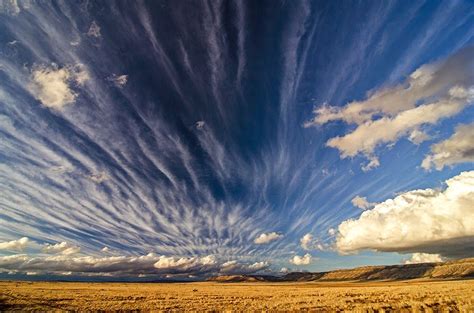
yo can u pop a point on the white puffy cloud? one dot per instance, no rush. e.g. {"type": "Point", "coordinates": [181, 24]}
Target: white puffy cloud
{"type": "Point", "coordinates": [306, 241]}
{"type": "Point", "coordinates": [431, 93]}
{"type": "Point", "coordinates": [459, 148]}
{"type": "Point", "coordinates": [62, 248]}
{"type": "Point", "coordinates": [174, 265]}
{"type": "Point", "coordinates": [52, 85]}
{"type": "Point", "coordinates": [301, 260]}
{"type": "Point", "coordinates": [19, 244]}
{"type": "Point", "coordinates": [234, 267]}
{"type": "Point", "coordinates": [424, 258]}
{"type": "Point", "coordinates": [267, 237]}
{"type": "Point", "coordinates": [258, 266]}
{"type": "Point", "coordinates": [119, 80]}
{"type": "Point", "coordinates": [361, 203]}
{"type": "Point", "coordinates": [200, 124]}
{"type": "Point", "coordinates": [94, 30]}
{"type": "Point", "coordinates": [426, 220]}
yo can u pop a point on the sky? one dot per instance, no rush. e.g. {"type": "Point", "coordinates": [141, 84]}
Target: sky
{"type": "Point", "coordinates": [147, 140]}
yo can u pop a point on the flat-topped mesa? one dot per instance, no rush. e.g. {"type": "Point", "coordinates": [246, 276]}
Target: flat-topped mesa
{"type": "Point", "coordinates": [456, 269]}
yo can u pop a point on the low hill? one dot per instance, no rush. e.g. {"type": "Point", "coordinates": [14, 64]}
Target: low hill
{"type": "Point", "coordinates": [457, 269]}
{"type": "Point", "coordinates": [244, 278]}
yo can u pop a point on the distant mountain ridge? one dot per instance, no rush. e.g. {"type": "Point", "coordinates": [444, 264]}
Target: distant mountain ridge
{"type": "Point", "coordinates": [457, 269]}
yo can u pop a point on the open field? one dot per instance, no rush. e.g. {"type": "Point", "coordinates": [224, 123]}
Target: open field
{"type": "Point", "coordinates": [422, 296]}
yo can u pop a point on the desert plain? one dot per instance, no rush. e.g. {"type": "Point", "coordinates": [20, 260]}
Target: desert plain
{"type": "Point", "coordinates": [400, 296]}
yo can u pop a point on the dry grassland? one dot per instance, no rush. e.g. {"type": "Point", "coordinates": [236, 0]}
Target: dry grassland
{"type": "Point", "coordinates": [412, 296]}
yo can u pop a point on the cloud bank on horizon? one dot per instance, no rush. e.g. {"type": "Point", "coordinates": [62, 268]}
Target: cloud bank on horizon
{"type": "Point", "coordinates": [139, 140]}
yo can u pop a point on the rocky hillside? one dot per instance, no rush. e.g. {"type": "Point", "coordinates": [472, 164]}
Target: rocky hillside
{"type": "Point", "coordinates": [457, 269]}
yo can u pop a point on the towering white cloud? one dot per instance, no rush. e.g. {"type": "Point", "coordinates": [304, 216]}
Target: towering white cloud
{"type": "Point", "coordinates": [19, 244]}
{"type": "Point", "coordinates": [426, 220]}
{"type": "Point", "coordinates": [431, 93]}
{"type": "Point", "coordinates": [52, 85]}
{"type": "Point", "coordinates": [459, 148]}
{"type": "Point", "coordinates": [301, 260]}
{"type": "Point", "coordinates": [267, 237]}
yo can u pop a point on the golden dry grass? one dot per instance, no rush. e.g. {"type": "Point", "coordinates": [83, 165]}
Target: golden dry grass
{"type": "Point", "coordinates": [407, 296]}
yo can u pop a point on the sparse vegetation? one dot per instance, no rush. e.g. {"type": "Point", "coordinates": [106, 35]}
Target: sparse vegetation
{"type": "Point", "coordinates": [404, 296]}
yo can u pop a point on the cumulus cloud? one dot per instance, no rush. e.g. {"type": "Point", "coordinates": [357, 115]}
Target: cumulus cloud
{"type": "Point", "coordinates": [234, 267]}
{"type": "Point", "coordinates": [94, 30]}
{"type": "Point", "coordinates": [185, 265]}
{"type": "Point", "coordinates": [306, 241]}
{"type": "Point", "coordinates": [79, 265]}
{"type": "Point", "coordinates": [124, 266]}
{"type": "Point", "coordinates": [301, 260]}
{"type": "Point", "coordinates": [267, 237]}
{"type": "Point", "coordinates": [424, 258]}
{"type": "Point", "coordinates": [119, 80]}
{"type": "Point", "coordinates": [431, 93]}
{"type": "Point", "coordinates": [459, 148]}
{"type": "Point", "coordinates": [19, 244]}
{"type": "Point", "coordinates": [425, 221]}
{"type": "Point", "coordinates": [63, 248]}
{"type": "Point", "coordinates": [52, 85]}
{"type": "Point", "coordinates": [200, 124]}
{"type": "Point", "coordinates": [361, 203]}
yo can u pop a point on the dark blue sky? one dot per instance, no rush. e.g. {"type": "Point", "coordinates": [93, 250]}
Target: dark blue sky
{"type": "Point", "coordinates": [198, 137]}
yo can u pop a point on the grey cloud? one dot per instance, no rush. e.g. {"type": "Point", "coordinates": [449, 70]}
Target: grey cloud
{"type": "Point", "coordinates": [459, 148]}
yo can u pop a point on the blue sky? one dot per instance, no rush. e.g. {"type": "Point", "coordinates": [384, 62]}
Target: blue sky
{"type": "Point", "coordinates": [184, 139]}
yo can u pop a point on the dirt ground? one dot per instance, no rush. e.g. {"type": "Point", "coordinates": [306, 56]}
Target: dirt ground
{"type": "Point", "coordinates": [406, 296]}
